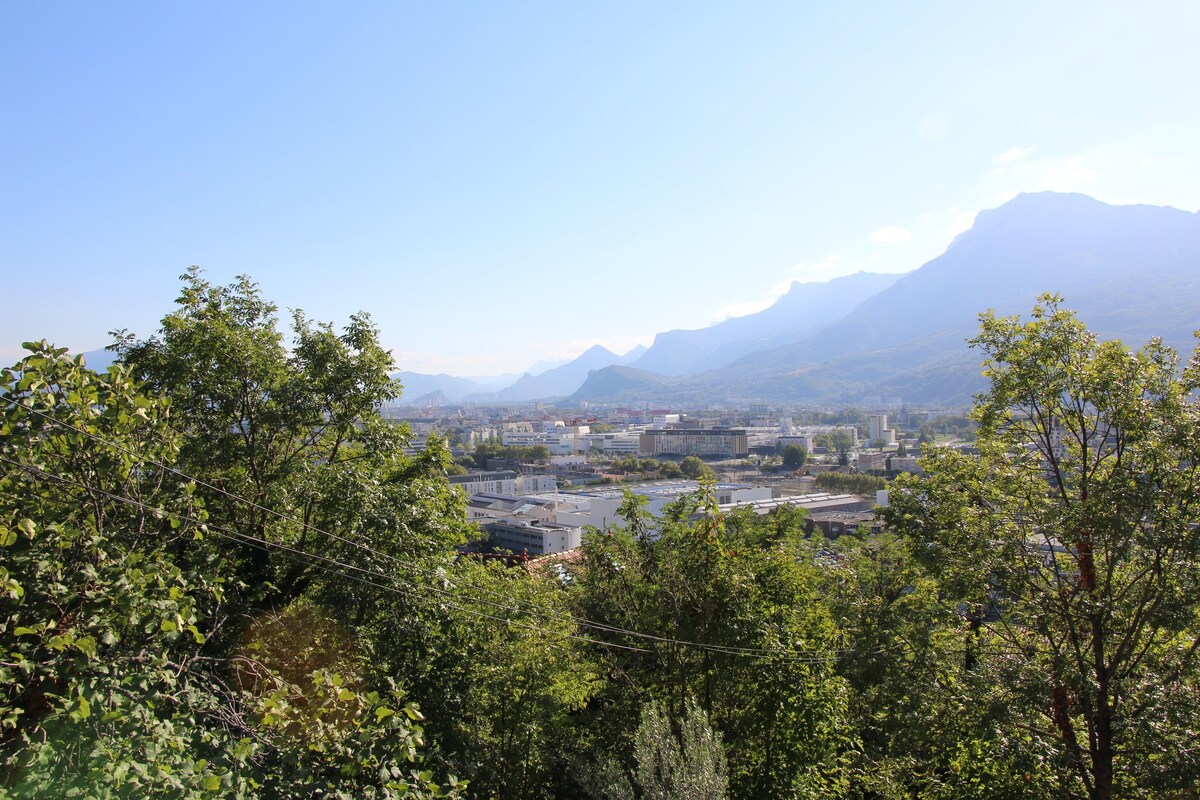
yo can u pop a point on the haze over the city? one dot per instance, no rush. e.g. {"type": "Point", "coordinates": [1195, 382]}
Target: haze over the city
{"type": "Point", "coordinates": [507, 184]}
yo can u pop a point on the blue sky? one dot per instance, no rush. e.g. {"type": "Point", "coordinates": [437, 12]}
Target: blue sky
{"type": "Point", "coordinates": [508, 182]}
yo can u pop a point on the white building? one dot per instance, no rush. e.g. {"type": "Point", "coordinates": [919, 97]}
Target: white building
{"type": "Point", "coordinates": [599, 507]}
{"type": "Point", "coordinates": [533, 538]}
{"type": "Point", "coordinates": [567, 461]}
{"type": "Point", "coordinates": [560, 441]}
{"type": "Point", "coordinates": [878, 430]}
{"type": "Point", "coordinates": [817, 501]}
{"type": "Point", "coordinates": [536, 484]}
{"type": "Point", "coordinates": [614, 443]}
{"type": "Point", "coordinates": [493, 507]}
{"type": "Point", "coordinates": [495, 482]}
{"type": "Point", "coordinates": [805, 440]}
{"type": "Point", "coordinates": [705, 442]}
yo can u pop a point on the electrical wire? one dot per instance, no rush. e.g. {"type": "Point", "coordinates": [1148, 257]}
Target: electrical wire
{"type": "Point", "coordinates": [791, 656]}
{"type": "Point", "coordinates": [325, 563]}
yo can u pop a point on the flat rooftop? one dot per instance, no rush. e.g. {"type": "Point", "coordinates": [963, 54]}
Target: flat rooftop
{"type": "Point", "coordinates": [818, 501]}
{"type": "Point", "coordinates": [656, 489]}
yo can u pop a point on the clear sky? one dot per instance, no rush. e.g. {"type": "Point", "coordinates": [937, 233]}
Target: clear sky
{"type": "Point", "coordinates": [500, 183]}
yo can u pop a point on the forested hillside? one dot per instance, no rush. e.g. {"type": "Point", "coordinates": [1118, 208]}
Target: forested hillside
{"type": "Point", "coordinates": [221, 576]}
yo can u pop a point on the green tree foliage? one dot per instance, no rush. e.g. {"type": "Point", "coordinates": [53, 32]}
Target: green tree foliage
{"type": "Point", "coordinates": [669, 470]}
{"type": "Point", "coordinates": [295, 432]}
{"type": "Point", "coordinates": [856, 483]}
{"type": "Point", "coordinates": [115, 584]}
{"type": "Point", "coordinates": [695, 469]}
{"type": "Point", "coordinates": [668, 765]}
{"type": "Point", "coordinates": [648, 467]}
{"type": "Point", "coordinates": [926, 724]}
{"type": "Point", "coordinates": [231, 581]}
{"type": "Point", "coordinates": [842, 440]}
{"type": "Point", "coordinates": [291, 451]}
{"type": "Point", "coordinates": [955, 426]}
{"type": "Point", "coordinates": [735, 605]}
{"type": "Point", "coordinates": [1071, 543]}
{"type": "Point", "coordinates": [653, 468]}
{"type": "Point", "coordinates": [488, 450]}
{"type": "Point", "coordinates": [502, 678]}
{"type": "Point", "coordinates": [794, 456]}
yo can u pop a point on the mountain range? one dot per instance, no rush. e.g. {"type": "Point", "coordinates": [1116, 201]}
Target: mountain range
{"type": "Point", "coordinates": [1131, 272]}
{"type": "Point", "coordinates": [558, 381]}
{"type": "Point", "coordinates": [802, 311]}
{"type": "Point", "coordinates": [423, 389]}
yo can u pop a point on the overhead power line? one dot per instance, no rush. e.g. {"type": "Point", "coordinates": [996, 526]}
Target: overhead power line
{"type": "Point", "coordinates": [790, 655]}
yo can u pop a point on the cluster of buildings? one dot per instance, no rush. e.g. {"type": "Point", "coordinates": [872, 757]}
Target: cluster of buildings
{"type": "Point", "coordinates": [553, 521]}
{"type": "Point", "coordinates": [543, 509]}
{"type": "Point", "coordinates": [621, 432]}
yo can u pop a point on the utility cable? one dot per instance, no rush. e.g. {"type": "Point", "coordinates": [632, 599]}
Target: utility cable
{"type": "Point", "coordinates": [329, 564]}
{"type": "Point", "coordinates": [792, 655]}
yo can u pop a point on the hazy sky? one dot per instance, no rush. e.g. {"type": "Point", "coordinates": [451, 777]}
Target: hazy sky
{"type": "Point", "coordinates": [498, 183]}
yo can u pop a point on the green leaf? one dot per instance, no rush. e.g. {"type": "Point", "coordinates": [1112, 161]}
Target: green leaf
{"type": "Point", "coordinates": [86, 645]}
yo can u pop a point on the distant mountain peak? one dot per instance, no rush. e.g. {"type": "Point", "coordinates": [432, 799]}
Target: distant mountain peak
{"type": "Point", "coordinates": [802, 310]}
{"type": "Point", "coordinates": [1131, 272]}
{"type": "Point", "coordinates": [633, 354]}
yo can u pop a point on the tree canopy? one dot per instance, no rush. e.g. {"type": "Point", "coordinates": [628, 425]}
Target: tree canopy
{"type": "Point", "coordinates": [120, 672]}
{"type": "Point", "coordinates": [794, 456]}
{"type": "Point", "coordinates": [222, 574]}
{"type": "Point", "coordinates": [1072, 542]}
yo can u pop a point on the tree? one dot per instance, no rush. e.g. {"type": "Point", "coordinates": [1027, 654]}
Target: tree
{"type": "Point", "coordinates": [928, 435]}
{"type": "Point", "coordinates": [669, 469]}
{"type": "Point", "coordinates": [692, 467]}
{"type": "Point", "coordinates": [842, 441]}
{"type": "Point", "coordinates": [669, 765]}
{"type": "Point", "coordinates": [288, 440]}
{"type": "Point", "coordinates": [734, 604]}
{"type": "Point", "coordinates": [1071, 542]}
{"type": "Point", "coordinates": [794, 456]}
{"type": "Point", "coordinates": [924, 725]}
{"type": "Point", "coordinates": [291, 454]}
{"type": "Point", "coordinates": [114, 583]}
{"type": "Point", "coordinates": [499, 691]}
{"type": "Point", "coordinates": [488, 450]}
{"type": "Point", "coordinates": [857, 483]}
